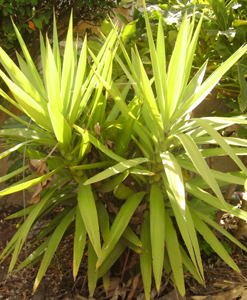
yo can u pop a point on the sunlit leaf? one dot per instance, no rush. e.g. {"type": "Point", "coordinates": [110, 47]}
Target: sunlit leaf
{"type": "Point", "coordinates": [174, 254]}
{"type": "Point", "coordinates": [28, 184]}
{"type": "Point", "coordinates": [175, 178]}
{"type": "Point", "coordinates": [61, 127]}
{"type": "Point", "coordinates": [200, 164]}
{"type": "Point", "coordinates": [157, 232]}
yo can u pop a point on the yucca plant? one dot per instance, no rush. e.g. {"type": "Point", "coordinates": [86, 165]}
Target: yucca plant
{"type": "Point", "coordinates": [143, 147]}
{"type": "Point", "coordinates": [157, 119]}
{"type": "Point", "coordinates": [66, 93]}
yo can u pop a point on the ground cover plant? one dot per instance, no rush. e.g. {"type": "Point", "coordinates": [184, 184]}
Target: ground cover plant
{"type": "Point", "coordinates": [119, 155]}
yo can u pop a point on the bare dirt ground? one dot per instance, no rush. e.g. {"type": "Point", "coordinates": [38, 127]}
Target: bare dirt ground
{"type": "Point", "coordinates": [221, 283]}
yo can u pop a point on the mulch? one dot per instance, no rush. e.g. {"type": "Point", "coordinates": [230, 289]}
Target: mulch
{"type": "Point", "coordinates": [221, 282]}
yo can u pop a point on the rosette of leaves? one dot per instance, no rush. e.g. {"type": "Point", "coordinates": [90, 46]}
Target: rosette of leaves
{"type": "Point", "coordinates": [146, 147]}
{"type": "Point", "coordinates": [157, 120]}
{"type": "Point", "coordinates": [64, 95]}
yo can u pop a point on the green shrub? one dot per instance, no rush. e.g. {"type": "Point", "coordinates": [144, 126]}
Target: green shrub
{"type": "Point", "coordinates": [139, 152]}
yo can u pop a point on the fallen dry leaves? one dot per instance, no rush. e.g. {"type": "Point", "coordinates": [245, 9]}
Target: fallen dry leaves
{"type": "Point", "coordinates": [238, 292]}
{"type": "Point", "coordinates": [39, 167]}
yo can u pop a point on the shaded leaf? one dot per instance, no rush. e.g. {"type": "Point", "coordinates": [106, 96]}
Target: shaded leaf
{"type": "Point", "coordinates": [120, 223]}
{"type": "Point", "coordinates": [146, 255]}
{"type": "Point", "coordinates": [86, 204]}
{"type": "Point", "coordinates": [53, 244]}
{"type": "Point", "coordinates": [79, 242]}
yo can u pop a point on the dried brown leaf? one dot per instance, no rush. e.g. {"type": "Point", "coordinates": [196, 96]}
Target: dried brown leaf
{"type": "Point", "coordinates": [109, 144]}
{"type": "Point", "coordinates": [39, 167]}
{"type": "Point", "coordinates": [234, 293]}
{"type": "Point", "coordinates": [134, 286]}
{"type": "Point", "coordinates": [97, 129]}
{"type": "Point", "coordinates": [173, 295]}
{"type": "Point", "coordinates": [136, 220]}
{"type": "Point", "coordinates": [244, 295]}
{"type": "Point", "coordinates": [141, 208]}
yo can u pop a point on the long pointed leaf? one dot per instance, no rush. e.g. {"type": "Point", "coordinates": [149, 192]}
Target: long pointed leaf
{"type": "Point", "coordinates": [187, 229]}
{"type": "Point", "coordinates": [79, 242]}
{"type": "Point", "coordinates": [52, 79]}
{"type": "Point", "coordinates": [120, 223]}
{"type": "Point", "coordinates": [111, 259]}
{"type": "Point", "coordinates": [118, 168]}
{"type": "Point", "coordinates": [209, 84]}
{"type": "Point", "coordinates": [32, 108]}
{"type": "Point", "coordinates": [22, 186]}
{"type": "Point", "coordinates": [103, 221]}
{"type": "Point", "coordinates": [214, 201]}
{"type": "Point", "coordinates": [81, 69]}
{"type": "Point", "coordinates": [189, 265]}
{"type": "Point", "coordinates": [68, 70]}
{"type": "Point", "coordinates": [161, 55]}
{"type": "Point", "coordinates": [175, 178]}
{"type": "Point", "coordinates": [23, 231]}
{"type": "Point", "coordinates": [177, 69]}
{"type": "Point", "coordinates": [53, 244]}
{"type": "Point", "coordinates": [220, 229]}
{"type": "Point", "coordinates": [221, 141]}
{"type": "Point", "coordinates": [146, 256]}
{"type": "Point", "coordinates": [114, 182]}
{"type": "Point", "coordinates": [212, 240]}
{"type": "Point", "coordinates": [36, 253]}
{"type": "Point", "coordinates": [89, 214]}
{"type": "Point", "coordinates": [158, 62]}
{"type": "Point", "coordinates": [32, 68]}
{"type": "Point", "coordinates": [157, 232]}
{"type": "Point", "coordinates": [92, 275]}
{"type": "Point", "coordinates": [56, 51]}
{"type": "Point", "coordinates": [12, 174]}
{"type": "Point", "coordinates": [174, 254]}
{"type": "Point", "coordinates": [200, 164]}
{"type": "Point", "coordinates": [61, 127]}
{"type": "Point", "coordinates": [152, 119]}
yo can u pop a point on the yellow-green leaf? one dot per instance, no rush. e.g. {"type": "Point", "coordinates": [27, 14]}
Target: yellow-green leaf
{"type": "Point", "coordinates": [174, 254]}
{"type": "Point", "coordinates": [61, 127]}
{"type": "Point", "coordinates": [157, 232]}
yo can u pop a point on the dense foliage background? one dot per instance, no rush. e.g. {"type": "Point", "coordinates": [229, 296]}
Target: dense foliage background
{"type": "Point", "coordinates": [30, 16]}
